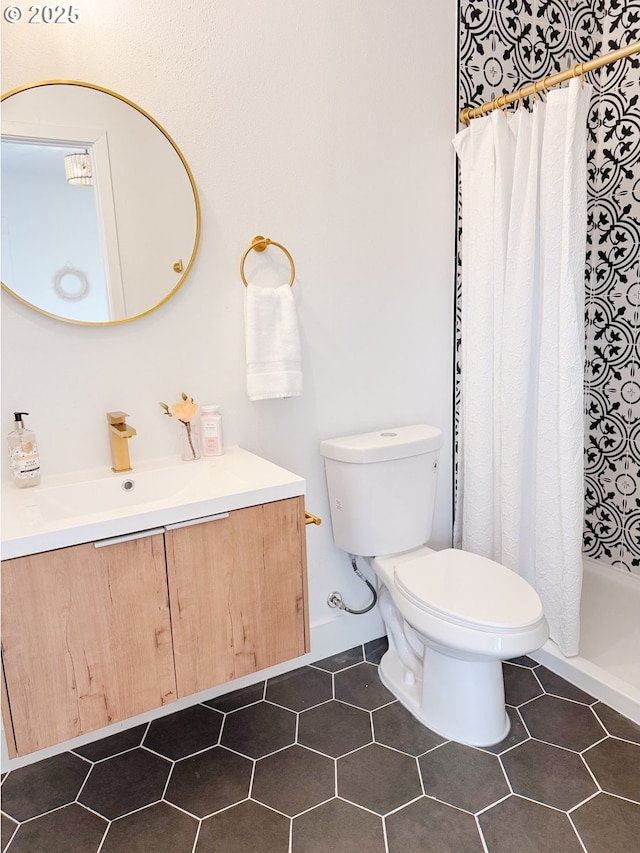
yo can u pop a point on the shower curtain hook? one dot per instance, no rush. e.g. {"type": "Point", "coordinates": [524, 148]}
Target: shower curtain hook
{"type": "Point", "coordinates": [578, 71]}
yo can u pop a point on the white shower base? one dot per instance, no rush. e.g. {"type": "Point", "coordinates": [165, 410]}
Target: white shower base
{"type": "Point", "coordinates": [608, 666]}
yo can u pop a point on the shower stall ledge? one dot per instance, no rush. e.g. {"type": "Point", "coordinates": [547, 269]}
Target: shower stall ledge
{"type": "Point", "coordinates": [608, 666]}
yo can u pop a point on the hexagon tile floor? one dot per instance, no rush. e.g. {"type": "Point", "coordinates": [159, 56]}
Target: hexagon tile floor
{"type": "Point", "coordinates": [323, 759]}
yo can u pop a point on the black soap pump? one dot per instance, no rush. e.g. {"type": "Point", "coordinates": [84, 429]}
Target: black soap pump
{"type": "Point", "coordinates": [23, 454]}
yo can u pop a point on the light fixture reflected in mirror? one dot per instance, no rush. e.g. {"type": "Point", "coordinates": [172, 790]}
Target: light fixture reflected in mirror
{"type": "Point", "coordinates": [77, 169]}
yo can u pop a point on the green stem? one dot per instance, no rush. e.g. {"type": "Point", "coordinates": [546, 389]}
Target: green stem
{"type": "Point", "coordinates": [193, 450]}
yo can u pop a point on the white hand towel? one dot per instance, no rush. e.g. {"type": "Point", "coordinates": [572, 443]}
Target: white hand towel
{"type": "Point", "coordinates": [272, 340]}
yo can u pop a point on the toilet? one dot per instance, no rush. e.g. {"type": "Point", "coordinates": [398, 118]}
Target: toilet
{"type": "Point", "coordinates": [451, 616]}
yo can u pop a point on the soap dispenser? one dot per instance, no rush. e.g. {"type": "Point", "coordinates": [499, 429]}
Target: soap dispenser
{"type": "Point", "coordinates": [23, 454]}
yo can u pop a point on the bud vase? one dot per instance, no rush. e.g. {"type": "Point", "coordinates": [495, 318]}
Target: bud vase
{"type": "Point", "coordinates": [189, 445]}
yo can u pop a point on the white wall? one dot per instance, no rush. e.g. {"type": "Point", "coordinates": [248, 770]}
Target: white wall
{"type": "Point", "coordinates": [324, 125]}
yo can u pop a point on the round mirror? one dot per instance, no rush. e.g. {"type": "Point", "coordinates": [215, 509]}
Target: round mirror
{"type": "Point", "coordinates": [100, 213]}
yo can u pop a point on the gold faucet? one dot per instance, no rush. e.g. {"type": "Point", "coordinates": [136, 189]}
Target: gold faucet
{"type": "Point", "coordinates": [119, 432]}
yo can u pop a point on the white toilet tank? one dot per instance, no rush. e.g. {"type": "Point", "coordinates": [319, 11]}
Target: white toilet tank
{"type": "Point", "coordinates": [382, 488]}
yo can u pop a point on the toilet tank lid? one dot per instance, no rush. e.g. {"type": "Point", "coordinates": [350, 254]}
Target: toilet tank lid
{"type": "Point", "coordinates": [383, 445]}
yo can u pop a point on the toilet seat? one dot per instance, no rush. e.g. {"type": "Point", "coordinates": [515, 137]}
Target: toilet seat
{"type": "Point", "coordinates": [468, 590]}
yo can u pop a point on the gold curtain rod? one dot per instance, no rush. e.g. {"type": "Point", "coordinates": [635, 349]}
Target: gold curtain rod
{"type": "Point", "coordinates": [552, 80]}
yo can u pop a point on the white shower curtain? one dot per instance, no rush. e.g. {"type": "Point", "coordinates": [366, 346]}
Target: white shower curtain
{"type": "Point", "coordinates": [520, 467]}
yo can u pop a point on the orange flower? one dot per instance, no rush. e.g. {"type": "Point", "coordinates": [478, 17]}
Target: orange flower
{"type": "Point", "coordinates": [184, 411]}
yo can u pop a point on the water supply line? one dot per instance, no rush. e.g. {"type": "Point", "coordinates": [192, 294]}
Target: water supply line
{"type": "Point", "coordinates": [335, 598]}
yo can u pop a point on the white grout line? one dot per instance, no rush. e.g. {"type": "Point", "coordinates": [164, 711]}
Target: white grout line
{"type": "Point", "coordinates": [596, 793]}
{"type": "Point", "coordinates": [575, 829]}
{"type": "Point", "coordinates": [107, 828]}
{"type": "Point", "coordinates": [620, 797]}
{"type": "Point", "coordinates": [480, 833]}
{"type": "Point", "coordinates": [195, 840]}
{"type": "Point", "coordinates": [497, 802]}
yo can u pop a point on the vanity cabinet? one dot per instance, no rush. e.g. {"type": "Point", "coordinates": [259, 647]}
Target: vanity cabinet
{"type": "Point", "coordinates": [86, 639]}
{"type": "Point", "coordinates": [95, 634]}
{"type": "Point", "coordinates": [238, 594]}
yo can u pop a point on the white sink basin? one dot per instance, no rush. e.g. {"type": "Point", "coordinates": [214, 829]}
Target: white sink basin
{"type": "Point", "coordinates": [85, 506]}
{"type": "Point", "coordinates": [119, 492]}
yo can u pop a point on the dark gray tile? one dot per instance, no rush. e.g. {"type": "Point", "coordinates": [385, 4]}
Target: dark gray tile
{"type": "Point", "coordinates": [374, 778]}
{"type": "Point", "coordinates": [209, 781]}
{"type": "Point", "coordinates": [374, 649]}
{"type": "Point", "coordinates": [259, 729]}
{"type": "Point", "coordinates": [526, 827]}
{"type": "Point", "coordinates": [302, 688]}
{"type": "Point", "coordinates": [125, 782]}
{"type": "Point", "coordinates": [334, 728]}
{"type": "Point", "coordinates": [429, 825]}
{"type": "Point", "coordinates": [616, 724]}
{"type": "Point", "coordinates": [293, 780]}
{"type": "Point", "coordinates": [7, 828]}
{"type": "Point", "coordinates": [341, 660]}
{"type": "Point", "coordinates": [45, 785]}
{"type": "Point", "coordinates": [520, 684]}
{"type": "Point", "coordinates": [238, 698]}
{"type": "Point", "coordinates": [616, 766]}
{"type": "Point", "coordinates": [378, 778]}
{"type": "Point", "coordinates": [185, 732]}
{"type": "Point", "coordinates": [524, 661]}
{"type": "Point", "coordinates": [112, 745]}
{"type": "Point", "coordinates": [462, 776]}
{"type": "Point", "coordinates": [558, 686]}
{"type": "Point", "coordinates": [337, 826]}
{"type": "Point", "coordinates": [562, 722]}
{"type": "Point", "coordinates": [517, 733]}
{"type": "Point", "coordinates": [548, 774]}
{"type": "Point", "coordinates": [159, 828]}
{"type": "Point", "coordinates": [361, 686]}
{"type": "Point", "coordinates": [608, 825]}
{"type": "Point", "coordinates": [394, 726]}
{"type": "Point", "coordinates": [243, 828]}
{"type": "Point", "coordinates": [52, 832]}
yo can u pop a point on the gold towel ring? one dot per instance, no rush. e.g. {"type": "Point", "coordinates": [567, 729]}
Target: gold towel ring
{"type": "Point", "coordinates": [260, 243]}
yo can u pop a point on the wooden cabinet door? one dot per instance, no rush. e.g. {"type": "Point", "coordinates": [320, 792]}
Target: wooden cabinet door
{"type": "Point", "coordinates": [238, 593]}
{"type": "Point", "coordinates": [86, 639]}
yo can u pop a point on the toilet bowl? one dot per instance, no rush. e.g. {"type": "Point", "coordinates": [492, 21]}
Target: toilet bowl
{"type": "Point", "coordinates": [451, 616]}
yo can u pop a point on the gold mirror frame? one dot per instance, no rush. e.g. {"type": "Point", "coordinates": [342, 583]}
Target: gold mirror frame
{"type": "Point", "coordinates": [179, 266]}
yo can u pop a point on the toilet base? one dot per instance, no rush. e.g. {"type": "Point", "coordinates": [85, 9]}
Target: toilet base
{"type": "Point", "coordinates": [457, 699]}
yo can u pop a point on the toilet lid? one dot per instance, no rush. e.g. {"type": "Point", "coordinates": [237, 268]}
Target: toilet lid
{"type": "Point", "coordinates": [467, 588]}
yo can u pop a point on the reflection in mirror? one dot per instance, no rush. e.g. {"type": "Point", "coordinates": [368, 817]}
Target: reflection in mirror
{"type": "Point", "coordinates": [67, 229]}
{"type": "Point", "coordinates": [108, 246]}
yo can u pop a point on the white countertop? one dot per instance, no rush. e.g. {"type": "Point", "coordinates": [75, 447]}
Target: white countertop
{"type": "Point", "coordinates": [90, 505]}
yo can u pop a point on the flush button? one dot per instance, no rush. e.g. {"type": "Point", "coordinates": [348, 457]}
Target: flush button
{"type": "Point", "coordinates": [388, 434]}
